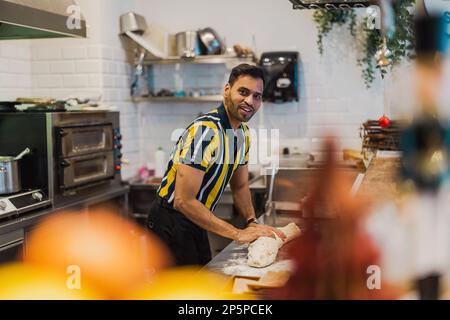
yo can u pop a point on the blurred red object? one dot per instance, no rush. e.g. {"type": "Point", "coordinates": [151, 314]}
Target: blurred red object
{"type": "Point", "coordinates": [384, 121]}
{"type": "Point", "coordinates": [114, 254]}
{"type": "Point", "coordinates": [333, 255]}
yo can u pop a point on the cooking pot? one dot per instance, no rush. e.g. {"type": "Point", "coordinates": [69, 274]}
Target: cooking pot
{"type": "Point", "coordinates": [188, 45]}
{"type": "Point", "coordinates": [10, 174]}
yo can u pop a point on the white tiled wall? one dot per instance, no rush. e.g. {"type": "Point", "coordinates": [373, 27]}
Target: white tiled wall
{"type": "Point", "coordinates": [15, 69]}
{"type": "Point", "coordinates": [92, 67]}
{"type": "Point", "coordinates": [333, 97]}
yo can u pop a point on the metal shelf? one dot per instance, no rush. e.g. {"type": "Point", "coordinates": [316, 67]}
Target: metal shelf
{"type": "Point", "coordinates": [211, 59]}
{"type": "Point", "coordinates": [215, 98]}
{"type": "Point", "coordinates": [329, 4]}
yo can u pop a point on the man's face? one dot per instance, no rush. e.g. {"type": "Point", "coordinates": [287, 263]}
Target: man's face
{"type": "Point", "coordinates": [244, 98]}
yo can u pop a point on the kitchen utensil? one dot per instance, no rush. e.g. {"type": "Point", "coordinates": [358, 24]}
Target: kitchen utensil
{"type": "Point", "coordinates": [10, 174]}
{"type": "Point", "coordinates": [24, 152]}
{"type": "Point", "coordinates": [211, 41]}
{"type": "Point", "coordinates": [188, 44]}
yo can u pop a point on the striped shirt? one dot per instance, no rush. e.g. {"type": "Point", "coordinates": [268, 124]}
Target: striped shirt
{"type": "Point", "coordinates": [211, 145]}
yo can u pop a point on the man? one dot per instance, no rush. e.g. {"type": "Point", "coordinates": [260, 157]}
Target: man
{"type": "Point", "coordinates": [212, 151]}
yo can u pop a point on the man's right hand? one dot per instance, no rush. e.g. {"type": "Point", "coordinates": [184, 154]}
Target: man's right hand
{"type": "Point", "coordinates": [250, 234]}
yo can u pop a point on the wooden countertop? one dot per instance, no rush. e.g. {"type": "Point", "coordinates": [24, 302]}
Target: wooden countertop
{"type": "Point", "coordinates": [380, 180]}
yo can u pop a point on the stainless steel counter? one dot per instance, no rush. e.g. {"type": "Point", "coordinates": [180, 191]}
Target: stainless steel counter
{"type": "Point", "coordinates": [232, 260]}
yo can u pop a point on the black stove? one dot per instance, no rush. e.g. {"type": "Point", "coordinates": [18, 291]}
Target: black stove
{"type": "Point", "coordinates": [22, 202]}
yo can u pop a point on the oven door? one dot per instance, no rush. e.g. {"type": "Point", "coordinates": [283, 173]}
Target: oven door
{"type": "Point", "coordinates": [11, 246]}
{"type": "Point", "coordinates": [86, 169]}
{"type": "Point", "coordinates": [75, 141]}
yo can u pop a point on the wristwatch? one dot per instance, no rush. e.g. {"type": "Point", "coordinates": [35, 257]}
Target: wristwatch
{"type": "Point", "coordinates": [252, 220]}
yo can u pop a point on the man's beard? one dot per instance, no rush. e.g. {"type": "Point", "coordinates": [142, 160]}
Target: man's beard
{"type": "Point", "coordinates": [233, 110]}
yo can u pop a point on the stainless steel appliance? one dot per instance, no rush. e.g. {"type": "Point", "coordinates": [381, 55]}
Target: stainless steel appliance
{"type": "Point", "coordinates": [22, 202]}
{"type": "Point", "coordinates": [74, 155]}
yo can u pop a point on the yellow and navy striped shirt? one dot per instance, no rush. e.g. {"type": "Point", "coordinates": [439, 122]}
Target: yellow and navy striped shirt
{"type": "Point", "coordinates": [209, 144]}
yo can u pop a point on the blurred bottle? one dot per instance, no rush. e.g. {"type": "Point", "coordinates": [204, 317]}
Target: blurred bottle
{"type": "Point", "coordinates": [160, 163]}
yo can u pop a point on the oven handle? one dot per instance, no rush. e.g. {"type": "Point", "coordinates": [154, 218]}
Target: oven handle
{"type": "Point", "coordinates": [63, 132]}
{"type": "Point", "coordinates": [64, 163]}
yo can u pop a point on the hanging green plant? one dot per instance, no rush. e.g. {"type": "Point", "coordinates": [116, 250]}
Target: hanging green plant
{"type": "Point", "coordinates": [400, 43]}
{"type": "Point", "coordinates": [326, 19]}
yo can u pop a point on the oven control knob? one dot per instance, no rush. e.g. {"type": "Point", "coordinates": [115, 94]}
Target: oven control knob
{"type": "Point", "coordinates": [37, 196]}
{"type": "Point", "coordinates": [3, 205]}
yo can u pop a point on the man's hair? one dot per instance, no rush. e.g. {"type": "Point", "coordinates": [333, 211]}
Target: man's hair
{"type": "Point", "coordinates": [245, 69]}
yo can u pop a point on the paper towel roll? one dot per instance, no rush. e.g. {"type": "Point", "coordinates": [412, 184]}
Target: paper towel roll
{"type": "Point", "coordinates": [160, 163]}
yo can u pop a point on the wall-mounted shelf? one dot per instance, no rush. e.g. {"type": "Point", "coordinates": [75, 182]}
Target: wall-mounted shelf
{"type": "Point", "coordinates": [215, 98]}
{"type": "Point", "coordinates": [206, 59]}
{"type": "Point", "coordinates": [228, 60]}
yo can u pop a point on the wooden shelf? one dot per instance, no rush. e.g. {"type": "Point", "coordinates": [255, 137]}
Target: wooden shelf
{"type": "Point", "coordinates": [215, 98]}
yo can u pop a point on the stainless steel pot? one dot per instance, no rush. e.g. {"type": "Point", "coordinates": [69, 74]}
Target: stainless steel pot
{"type": "Point", "coordinates": [188, 44]}
{"type": "Point", "coordinates": [9, 175]}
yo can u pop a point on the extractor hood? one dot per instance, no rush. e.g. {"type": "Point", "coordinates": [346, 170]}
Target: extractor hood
{"type": "Point", "coordinates": [35, 19]}
{"type": "Point", "coordinates": [330, 4]}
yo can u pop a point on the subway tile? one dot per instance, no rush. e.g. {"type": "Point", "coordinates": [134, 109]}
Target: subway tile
{"type": "Point", "coordinates": [76, 81]}
{"type": "Point", "coordinates": [47, 81]}
{"type": "Point", "coordinates": [4, 65]}
{"type": "Point", "coordinates": [62, 67]}
{"type": "Point", "coordinates": [89, 66]}
{"type": "Point", "coordinates": [95, 80]}
{"type": "Point", "coordinates": [95, 52]}
{"type": "Point", "coordinates": [75, 53]}
{"type": "Point", "coordinates": [47, 53]}
{"type": "Point", "coordinates": [9, 50]}
{"type": "Point", "coordinates": [40, 67]}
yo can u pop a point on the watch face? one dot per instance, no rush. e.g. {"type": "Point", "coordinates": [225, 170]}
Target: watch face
{"type": "Point", "coordinates": [436, 6]}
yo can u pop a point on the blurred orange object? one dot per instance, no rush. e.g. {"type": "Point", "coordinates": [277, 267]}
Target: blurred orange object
{"type": "Point", "coordinates": [114, 254]}
{"type": "Point", "coordinates": [29, 282]}
{"type": "Point", "coordinates": [188, 283]}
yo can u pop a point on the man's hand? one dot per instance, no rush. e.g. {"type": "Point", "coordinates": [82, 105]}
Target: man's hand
{"type": "Point", "coordinates": [270, 229]}
{"type": "Point", "coordinates": [254, 231]}
{"type": "Point", "coordinates": [250, 234]}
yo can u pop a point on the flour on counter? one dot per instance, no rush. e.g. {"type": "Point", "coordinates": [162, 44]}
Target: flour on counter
{"type": "Point", "coordinates": [239, 267]}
